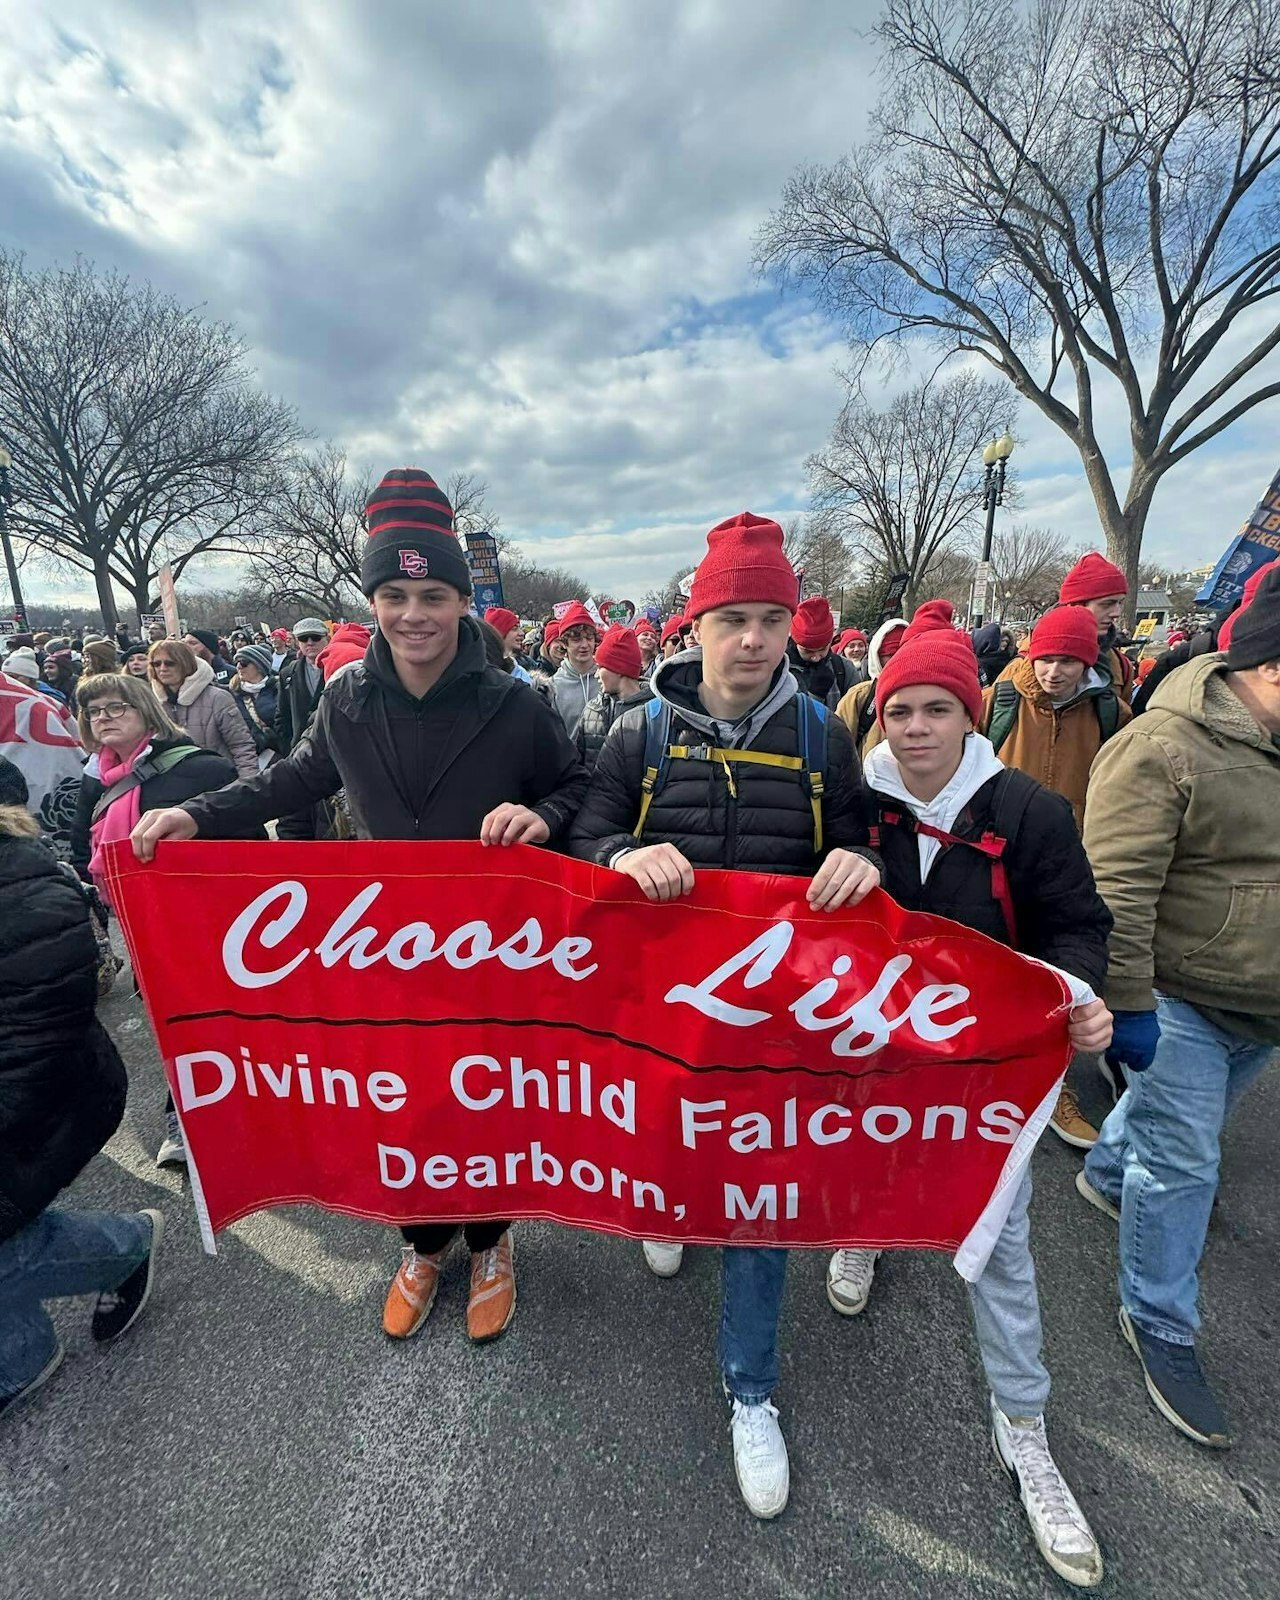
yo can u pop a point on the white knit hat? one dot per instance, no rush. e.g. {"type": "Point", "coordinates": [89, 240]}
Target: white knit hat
{"type": "Point", "coordinates": [21, 664]}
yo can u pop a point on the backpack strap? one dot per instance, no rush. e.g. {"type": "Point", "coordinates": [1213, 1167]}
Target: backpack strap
{"type": "Point", "coordinates": [1013, 794]}
{"type": "Point", "coordinates": [657, 756]}
{"type": "Point", "coordinates": [1004, 713]}
{"type": "Point", "coordinates": [812, 730]}
{"type": "Point", "coordinates": [866, 719]}
{"type": "Point", "coordinates": [1107, 705]}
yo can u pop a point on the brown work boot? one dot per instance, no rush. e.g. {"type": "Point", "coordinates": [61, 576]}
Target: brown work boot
{"type": "Point", "coordinates": [412, 1293]}
{"type": "Point", "coordinates": [1070, 1123]}
{"type": "Point", "coordinates": [493, 1292]}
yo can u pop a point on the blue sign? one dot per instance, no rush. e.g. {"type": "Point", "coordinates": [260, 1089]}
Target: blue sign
{"type": "Point", "coordinates": [1257, 543]}
{"type": "Point", "coordinates": [486, 577]}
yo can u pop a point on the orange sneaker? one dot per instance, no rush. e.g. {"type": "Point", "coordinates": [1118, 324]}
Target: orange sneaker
{"type": "Point", "coordinates": [493, 1292]}
{"type": "Point", "coordinates": [1070, 1123]}
{"type": "Point", "coordinates": [412, 1293]}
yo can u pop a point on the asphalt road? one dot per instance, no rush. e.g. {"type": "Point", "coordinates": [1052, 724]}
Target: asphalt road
{"type": "Point", "coordinates": [257, 1435]}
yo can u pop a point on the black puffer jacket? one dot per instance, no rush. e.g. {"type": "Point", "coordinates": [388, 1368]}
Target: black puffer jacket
{"type": "Point", "coordinates": [767, 827]}
{"type": "Point", "coordinates": [62, 1083]}
{"type": "Point", "coordinates": [828, 680]}
{"type": "Point", "coordinates": [429, 768]}
{"type": "Point", "coordinates": [593, 725]}
{"type": "Point", "coordinates": [1061, 917]}
{"type": "Point", "coordinates": [202, 770]}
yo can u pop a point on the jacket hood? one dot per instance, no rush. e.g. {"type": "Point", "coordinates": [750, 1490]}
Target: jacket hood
{"type": "Point", "coordinates": [379, 666]}
{"type": "Point", "coordinates": [676, 682]}
{"type": "Point", "coordinates": [874, 664]}
{"type": "Point", "coordinates": [986, 639]}
{"type": "Point", "coordinates": [978, 765]}
{"type": "Point", "coordinates": [193, 686]}
{"type": "Point", "coordinates": [1199, 691]}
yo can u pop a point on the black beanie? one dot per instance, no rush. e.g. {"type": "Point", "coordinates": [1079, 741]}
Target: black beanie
{"type": "Point", "coordinates": [207, 637]}
{"type": "Point", "coordinates": [411, 534]}
{"type": "Point", "coordinates": [1255, 638]}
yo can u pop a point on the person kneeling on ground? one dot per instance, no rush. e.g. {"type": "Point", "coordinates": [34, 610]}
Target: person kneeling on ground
{"type": "Point", "coordinates": [500, 768]}
{"type": "Point", "coordinates": [742, 794]}
{"type": "Point", "coordinates": [939, 795]}
{"type": "Point", "coordinates": [62, 1093]}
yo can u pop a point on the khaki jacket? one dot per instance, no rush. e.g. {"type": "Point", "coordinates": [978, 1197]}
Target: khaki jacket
{"type": "Point", "coordinates": [1056, 748]}
{"type": "Point", "coordinates": [850, 710]}
{"type": "Point", "coordinates": [1181, 830]}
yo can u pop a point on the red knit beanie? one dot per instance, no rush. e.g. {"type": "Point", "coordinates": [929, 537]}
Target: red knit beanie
{"type": "Point", "coordinates": [550, 633]}
{"type": "Point", "coordinates": [1065, 631]}
{"type": "Point", "coordinates": [847, 638]}
{"type": "Point", "coordinates": [813, 627]}
{"type": "Point", "coordinates": [1246, 600]}
{"type": "Point", "coordinates": [645, 624]}
{"type": "Point", "coordinates": [929, 616]}
{"type": "Point", "coordinates": [349, 643]}
{"type": "Point", "coordinates": [1092, 578]}
{"type": "Point", "coordinates": [577, 616]}
{"type": "Point", "coordinates": [671, 628]}
{"type": "Point", "coordinates": [503, 620]}
{"type": "Point", "coordinates": [938, 656]}
{"type": "Point", "coordinates": [744, 565]}
{"type": "Point", "coordinates": [619, 651]}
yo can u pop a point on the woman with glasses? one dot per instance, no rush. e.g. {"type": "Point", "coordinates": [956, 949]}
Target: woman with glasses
{"type": "Point", "coordinates": [207, 713]}
{"type": "Point", "coordinates": [139, 758]}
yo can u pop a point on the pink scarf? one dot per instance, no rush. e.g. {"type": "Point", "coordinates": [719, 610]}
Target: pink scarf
{"type": "Point", "coordinates": [121, 816]}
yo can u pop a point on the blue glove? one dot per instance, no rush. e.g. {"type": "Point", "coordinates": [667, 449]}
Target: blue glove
{"type": "Point", "coordinates": [1135, 1035]}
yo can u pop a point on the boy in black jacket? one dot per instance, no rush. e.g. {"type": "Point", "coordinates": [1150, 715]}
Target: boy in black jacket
{"type": "Point", "coordinates": [723, 704]}
{"type": "Point", "coordinates": [429, 742]}
{"type": "Point", "coordinates": [965, 837]}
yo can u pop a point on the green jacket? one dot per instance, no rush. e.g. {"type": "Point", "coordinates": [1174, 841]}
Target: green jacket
{"type": "Point", "coordinates": [1181, 828]}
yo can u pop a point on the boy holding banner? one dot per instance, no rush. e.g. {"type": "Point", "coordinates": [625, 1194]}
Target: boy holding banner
{"type": "Point", "coordinates": [429, 742]}
{"type": "Point", "coordinates": [731, 766]}
{"type": "Point", "coordinates": [963, 836]}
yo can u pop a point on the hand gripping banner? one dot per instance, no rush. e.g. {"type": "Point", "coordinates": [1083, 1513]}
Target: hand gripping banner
{"type": "Point", "coordinates": [413, 1032]}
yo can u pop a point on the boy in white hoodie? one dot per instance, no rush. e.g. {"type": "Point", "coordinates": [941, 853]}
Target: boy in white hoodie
{"type": "Point", "coordinates": [964, 837]}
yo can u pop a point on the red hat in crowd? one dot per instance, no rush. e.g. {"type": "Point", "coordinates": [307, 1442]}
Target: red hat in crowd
{"type": "Point", "coordinates": [577, 616]}
{"type": "Point", "coordinates": [645, 624]}
{"type": "Point", "coordinates": [1246, 600]}
{"type": "Point", "coordinates": [348, 644]}
{"type": "Point", "coordinates": [744, 565]}
{"type": "Point", "coordinates": [813, 627]}
{"type": "Point", "coordinates": [280, 634]}
{"type": "Point", "coordinates": [619, 651]}
{"type": "Point", "coordinates": [671, 627]}
{"type": "Point", "coordinates": [940, 656]}
{"type": "Point", "coordinates": [847, 638]}
{"type": "Point", "coordinates": [1065, 631]}
{"type": "Point", "coordinates": [1092, 578]}
{"type": "Point", "coordinates": [929, 616]}
{"type": "Point", "coordinates": [503, 620]}
{"type": "Point", "coordinates": [550, 632]}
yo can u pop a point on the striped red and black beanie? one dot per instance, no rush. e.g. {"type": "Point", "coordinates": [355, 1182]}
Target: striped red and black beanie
{"type": "Point", "coordinates": [411, 534]}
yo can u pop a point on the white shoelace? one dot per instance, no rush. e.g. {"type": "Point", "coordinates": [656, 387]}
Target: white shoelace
{"type": "Point", "coordinates": [758, 1434]}
{"type": "Point", "coordinates": [1039, 1472]}
{"type": "Point", "coordinates": [489, 1264]}
{"type": "Point", "coordinates": [856, 1266]}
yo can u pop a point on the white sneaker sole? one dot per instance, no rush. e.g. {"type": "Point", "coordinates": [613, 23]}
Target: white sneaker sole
{"type": "Point", "coordinates": [1209, 1441]}
{"type": "Point", "coordinates": [665, 1270]}
{"type": "Point", "coordinates": [171, 1154]}
{"type": "Point", "coordinates": [1095, 1197]}
{"type": "Point", "coordinates": [1071, 1575]}
{"type": "Point", "coordinates": [844, 1307]}
{"type": "Point", "coordinates": [1073, 1139]}
{"type": "Point", "coordinates": [762, 1512]}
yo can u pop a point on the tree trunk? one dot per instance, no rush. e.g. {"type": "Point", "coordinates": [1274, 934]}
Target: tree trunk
{"type": "Point", "coordinates": [106, 597]}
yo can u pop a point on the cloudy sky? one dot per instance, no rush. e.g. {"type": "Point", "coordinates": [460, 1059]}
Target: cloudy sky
{"type": "Point", "coordinates": [514, 239]}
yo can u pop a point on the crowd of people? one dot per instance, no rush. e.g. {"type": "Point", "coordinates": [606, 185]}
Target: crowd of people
{"type": "Point", "coordinates": [1020, 788]}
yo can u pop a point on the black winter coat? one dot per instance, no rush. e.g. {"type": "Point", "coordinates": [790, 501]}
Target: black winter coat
{"type": "Point", "coordinates": [828, 680]}
{"type": "Point", "coordinates": [62, 1083]}
{"type": "Point", "coordinates": [768, 827]}
{"type": "Point", "coordinates": [592, 727]}
{"type": "Point", "coordinates": [416, 769]}
{"type": "Point", "coordinates": [1061, 918]}
{"type": "Point", "coordinates": [198, 773]}
{"type": "Point", "coordinates": [260, 712]}
{"type": "Point", "coordinates": [295, 704]}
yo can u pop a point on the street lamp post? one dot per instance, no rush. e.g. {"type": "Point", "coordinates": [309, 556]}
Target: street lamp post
{"type": "Point", "coordinates": [6, 500]}
{"type": "Point", "coordinates": [994, 458]}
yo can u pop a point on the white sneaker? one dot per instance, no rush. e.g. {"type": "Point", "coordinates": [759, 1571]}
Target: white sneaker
{"type": "Point", "coordinates": [663, 1259]}
{"type": "Point", "coordinates": [849, 1278]}
{"type": "Point", "coordinates": [172, 1151]}
{"type": "Point", "coordinates": [760, 1459]}
{"type": "Point", "coordinates": [1065, 1538]}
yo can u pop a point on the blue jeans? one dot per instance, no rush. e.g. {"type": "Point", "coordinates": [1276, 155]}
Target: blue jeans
{"type": "Point", "coordinates": [754, 1279]}
{"type": "Point", "coordinates": [1157, 1159]}
{"type": "Point", "coordinates": [60, 1253]}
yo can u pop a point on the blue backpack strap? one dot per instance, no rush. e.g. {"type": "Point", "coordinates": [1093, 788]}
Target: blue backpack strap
{"type": "Point", "coordinates": [657, 741]}
{"type": "Point", "coordinates": [812, 730]}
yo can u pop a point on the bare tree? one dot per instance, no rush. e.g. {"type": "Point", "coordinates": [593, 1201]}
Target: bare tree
{"type": "Point", "coordinates": [310, 559]}
{"type": "Point", "coordinates": [903, 483]}
{"type": "Point", "coordinates": [668, 597]}
{"type": "Point", "coordinates": [1084, 194]}
{"type": "Point", "coordinates": [1028, 566]}
{"type": "Point", "coordinates": [137, 433]}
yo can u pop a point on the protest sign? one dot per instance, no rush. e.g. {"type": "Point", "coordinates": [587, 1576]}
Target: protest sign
{"type": "Point", "coordinates": [1257, 543]}
{"type": "Point", "coordinates": [38, 734]}
{"type": "Point", "coordinates": [408, 1031]}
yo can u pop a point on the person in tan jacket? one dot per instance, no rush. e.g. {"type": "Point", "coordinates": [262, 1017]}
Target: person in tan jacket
{"type": "Point", "coordinates": [1181, 830]}
{"type": "Point", "coordinates": [1048, 715]}
{"type": "Point", "coordinates": [857, 708]}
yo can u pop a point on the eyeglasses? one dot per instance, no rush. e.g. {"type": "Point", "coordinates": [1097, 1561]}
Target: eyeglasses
{"type": "Point", "coordinates": [163, 661]}
{"type": "Point", "coordinates": [109, 711]}
{"type": "Point", "coordinates": [308, 638]}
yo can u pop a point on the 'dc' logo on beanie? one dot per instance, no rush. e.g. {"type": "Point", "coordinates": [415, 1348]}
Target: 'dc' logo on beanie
{"type": "Point", "coordinates": [414, 565]}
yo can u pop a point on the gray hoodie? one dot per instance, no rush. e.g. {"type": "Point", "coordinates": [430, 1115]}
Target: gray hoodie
{"type": "Point", "coordinates": [574, 692]}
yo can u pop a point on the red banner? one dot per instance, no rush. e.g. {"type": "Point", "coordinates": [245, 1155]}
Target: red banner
{"type": "Point", "coordinates": [416, 1032]}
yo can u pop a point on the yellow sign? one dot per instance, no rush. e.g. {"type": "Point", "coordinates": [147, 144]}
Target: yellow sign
{"type": "Point", "coordinates": [1145, 628]}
